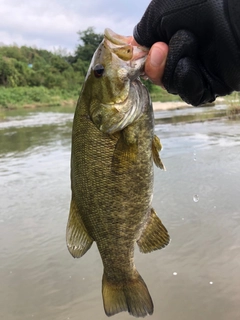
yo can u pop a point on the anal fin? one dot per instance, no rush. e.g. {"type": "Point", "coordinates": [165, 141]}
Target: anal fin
{"type": "Point", "coordinates": [155, 236]}
{"type": "Point", "coordinates": [156, 148]}
{"type": "Point", "coordinates": [78, 240]}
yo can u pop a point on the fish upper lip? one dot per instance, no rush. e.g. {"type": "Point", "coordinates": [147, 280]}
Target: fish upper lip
{"type": "Point", "coordinates": [115, 38]}
{"type": "Point", "coordinates": [116, 41]}
{"type": "Point", "coordinates": [120, 40]}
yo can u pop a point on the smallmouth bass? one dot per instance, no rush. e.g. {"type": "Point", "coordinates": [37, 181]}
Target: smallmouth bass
{"type": "Point", "coordinates": [113, 149]}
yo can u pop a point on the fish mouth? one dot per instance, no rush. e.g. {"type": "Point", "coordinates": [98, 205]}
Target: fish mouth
{"type": "Point", "coordinates": [122, 47]}
{"type": "Point", "coordinates": [131, 61]}
{"type": "Point", "coordinates": [116, 38]}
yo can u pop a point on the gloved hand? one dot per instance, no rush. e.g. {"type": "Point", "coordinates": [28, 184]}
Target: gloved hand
{"type": "Point", "coordinates": [204, 45]}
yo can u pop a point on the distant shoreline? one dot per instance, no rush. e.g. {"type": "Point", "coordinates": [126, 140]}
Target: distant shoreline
{"type": "Point", "coordinates": [175, 105]}
{"type": "Point", "coordinates": [170, 105]}
{"type": "Point", "coordinates": [157, 105]}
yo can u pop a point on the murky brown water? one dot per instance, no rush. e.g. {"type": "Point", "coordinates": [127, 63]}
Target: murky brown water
{"type": "Point", "coordinates": [198, 198]}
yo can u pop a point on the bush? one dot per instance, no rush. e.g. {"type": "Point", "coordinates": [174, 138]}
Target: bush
{"type": "Point", "coordinates": [23, 96]}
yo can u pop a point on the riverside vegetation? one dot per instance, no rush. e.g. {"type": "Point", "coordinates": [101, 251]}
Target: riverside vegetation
{"type": "Point", "coordinates": [31, 77]}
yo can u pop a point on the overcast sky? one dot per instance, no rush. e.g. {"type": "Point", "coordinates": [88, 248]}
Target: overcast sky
{"type": "Point", "coordinates": [52, 24]}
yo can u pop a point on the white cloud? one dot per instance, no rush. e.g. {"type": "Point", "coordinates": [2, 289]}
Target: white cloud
{"type": "Point", "coordinates": [50, 23]}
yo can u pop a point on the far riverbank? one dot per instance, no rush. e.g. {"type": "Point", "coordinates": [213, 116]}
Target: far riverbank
{"type": "Point", "coordinates": [175, 105]}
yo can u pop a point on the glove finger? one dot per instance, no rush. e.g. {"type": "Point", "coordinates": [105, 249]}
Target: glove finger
{"type": "Point", "coordinates": [191, 84]}
{"type": "Point", "coordinates": [182, 44]}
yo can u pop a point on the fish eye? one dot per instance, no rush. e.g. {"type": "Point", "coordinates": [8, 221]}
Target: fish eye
{"type": "Point", "coordinates": [98, 70]}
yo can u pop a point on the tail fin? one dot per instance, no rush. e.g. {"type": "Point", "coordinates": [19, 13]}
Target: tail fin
{"type": "Point", "coordinates": [131, 296]}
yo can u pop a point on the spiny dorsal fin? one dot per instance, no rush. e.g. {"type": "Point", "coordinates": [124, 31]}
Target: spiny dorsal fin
{"type": "Point", "coordinates": [78, 240]}
{"type": "Point", "coordinates": [154, 236]}
{"type": "Point", "coordinates": [156, 148]}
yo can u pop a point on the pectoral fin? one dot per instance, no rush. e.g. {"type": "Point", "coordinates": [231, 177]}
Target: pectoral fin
{"type": "Point", "coordinates": [154, 236]}
{"type": "Point", "coordinates": [126, 151]}
{"type": "Point", "coordinates": [78, 240]}
{"type": "Point", "coordinates": [156, 148]}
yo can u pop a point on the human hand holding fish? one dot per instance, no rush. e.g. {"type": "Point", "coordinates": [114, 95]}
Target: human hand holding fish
{"type": "Point", "coordinates": [155, 61]}
{"type": "Point", "coordinates": [202, 60]}
{"type": "Point", "coordinates": [113, 150]}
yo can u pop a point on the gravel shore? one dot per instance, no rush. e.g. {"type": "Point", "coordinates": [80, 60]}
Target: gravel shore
{"type": "Point", "coordinates": [173, 105]}
{"type": "Point", "coordinates": [170, 105]}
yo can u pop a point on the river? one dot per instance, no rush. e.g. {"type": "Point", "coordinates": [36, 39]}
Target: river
{"type": "Point", "coordinates": [198, 198]}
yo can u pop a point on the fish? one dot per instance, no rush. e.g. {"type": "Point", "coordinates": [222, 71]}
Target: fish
{"type": "Point", "coordinates": [112, 155]}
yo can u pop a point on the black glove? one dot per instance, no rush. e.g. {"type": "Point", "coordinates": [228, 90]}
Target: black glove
{"type": "Point", "coordinates": [204, 45]}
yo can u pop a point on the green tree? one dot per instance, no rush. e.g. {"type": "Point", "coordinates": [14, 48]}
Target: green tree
{"type": "Point", "coordinates": [89, 41]}
{"type": "Point", "coordinates": [8, 73]}
{"type": "Point", "coordinates": [59, 63]}
{"type": "Point", "coordinates": [27, 66]}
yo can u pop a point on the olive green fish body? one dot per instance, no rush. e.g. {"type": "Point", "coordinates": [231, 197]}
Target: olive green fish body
{"type": "Point", "coordinates": [112, 195]}
{"type": "Point", "coordinates": [112, 186]}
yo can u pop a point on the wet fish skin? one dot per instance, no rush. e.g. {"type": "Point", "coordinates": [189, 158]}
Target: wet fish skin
{"type": "Point", "coordinates": [113, 147]}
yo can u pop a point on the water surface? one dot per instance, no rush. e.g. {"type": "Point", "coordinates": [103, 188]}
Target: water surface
{"type": "Point", "coordinates": [198, 198]}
